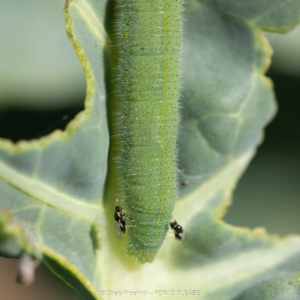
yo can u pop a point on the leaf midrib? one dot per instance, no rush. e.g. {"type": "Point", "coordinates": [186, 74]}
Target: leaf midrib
{"type": "Point", "coordinates": [46, 194]}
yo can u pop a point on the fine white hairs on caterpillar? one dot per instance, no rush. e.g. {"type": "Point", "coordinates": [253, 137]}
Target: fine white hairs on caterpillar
{"type": "Point", "coordinates": [147, 41]}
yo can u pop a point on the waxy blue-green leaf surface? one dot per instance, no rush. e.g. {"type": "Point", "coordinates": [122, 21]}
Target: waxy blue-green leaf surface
{"type": "Point", "coordinates": [56, 187]}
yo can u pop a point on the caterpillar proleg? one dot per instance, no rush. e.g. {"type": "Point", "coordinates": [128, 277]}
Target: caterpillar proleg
{"type": "Point", "coordinates": [147, 39]}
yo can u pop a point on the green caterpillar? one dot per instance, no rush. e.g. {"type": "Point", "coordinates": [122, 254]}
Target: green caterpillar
{"type": "Point", "coordinates": [148, 40]}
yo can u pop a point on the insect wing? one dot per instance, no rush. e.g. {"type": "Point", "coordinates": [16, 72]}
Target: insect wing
{"type": "Point", "coordinates": [118, 230]}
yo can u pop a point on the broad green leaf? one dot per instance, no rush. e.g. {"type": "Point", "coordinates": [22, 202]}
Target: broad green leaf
{"type": "Point", "coordinates": [56, 188]}
{"type": "Point", "coordinates": [54, 185]}
{"type": "Point", "coordinates": [13, 239]}
{"type": "Point", "coordinates": [283, 286]}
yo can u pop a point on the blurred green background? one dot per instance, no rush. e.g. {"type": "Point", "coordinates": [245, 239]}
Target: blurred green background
{"type": "Point", "coordinates": [42, 87]}
{"type": "Point", "coordinates": [268, 195]}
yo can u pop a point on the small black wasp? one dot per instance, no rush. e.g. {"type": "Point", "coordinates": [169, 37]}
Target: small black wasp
{"type": "Point", "coordinates": [178, 230]}
{"type": "Point", "coordinates": [120, 224]}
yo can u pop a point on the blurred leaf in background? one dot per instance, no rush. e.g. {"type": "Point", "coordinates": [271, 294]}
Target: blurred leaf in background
{"type": "Point", "coordinates": [287, 52]}
{"type": "Point", "coordinates": [42, 84]}
{"type": "Point", "coordinates": [268, 195]}
{"type": "Point", "coordinates": [39, 68]}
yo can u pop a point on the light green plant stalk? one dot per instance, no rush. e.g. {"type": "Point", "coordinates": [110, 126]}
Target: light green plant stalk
{"type": "Point", "coordinates": [56, 186]}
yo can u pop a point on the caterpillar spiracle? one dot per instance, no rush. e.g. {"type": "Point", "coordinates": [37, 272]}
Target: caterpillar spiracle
{"type": "Point", "coordinates": [148, 40]}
